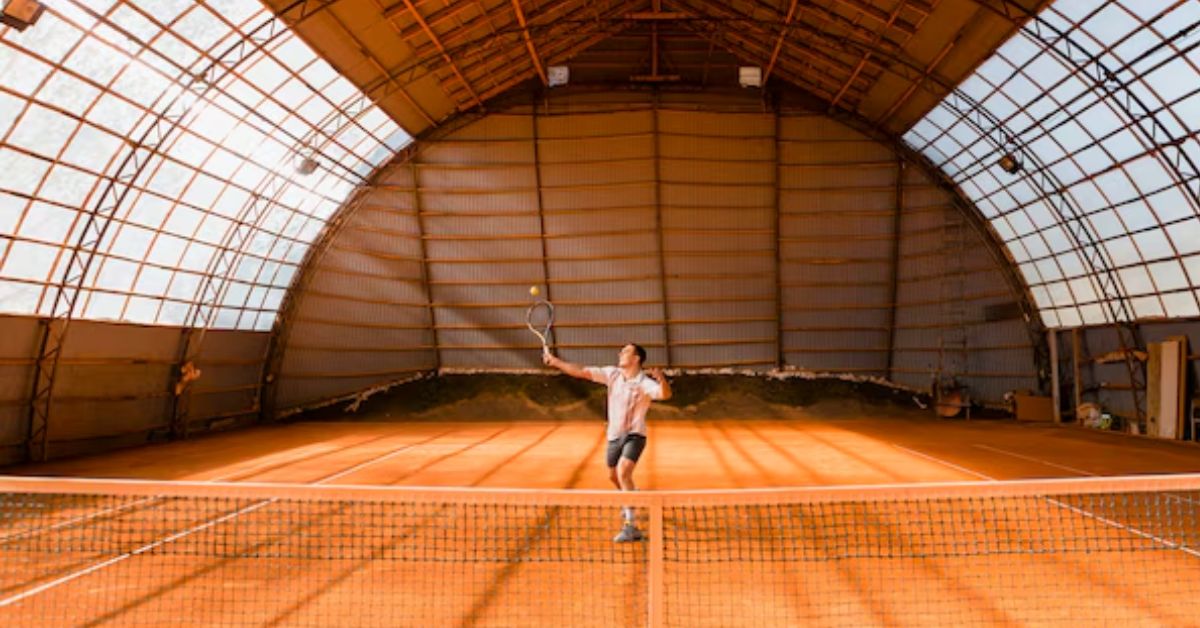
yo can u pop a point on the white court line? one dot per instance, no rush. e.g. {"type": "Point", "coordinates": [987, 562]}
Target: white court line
{"type": "Point", "coordinates": [116, 509]}
{"type": "Point", "coordinates": [946, 463]}
{"type": "Point", "coordinates": [1037, 460]}
{"type": "Point", "coordinates": [179, 535]}
{"type": "Point", "coordinates": [1091, 515]}
{"type": "Point", "coordinates": [1064, 467]}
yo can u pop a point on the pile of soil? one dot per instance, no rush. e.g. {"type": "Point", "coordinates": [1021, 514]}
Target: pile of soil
{"type": "Point", "coordinates": [512, 397]}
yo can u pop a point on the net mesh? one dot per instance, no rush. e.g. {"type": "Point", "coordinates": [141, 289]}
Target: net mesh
{"type": "Point", "coordinates": [1113, 552]}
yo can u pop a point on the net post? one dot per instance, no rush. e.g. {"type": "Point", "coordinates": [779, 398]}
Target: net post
{"type": "Point", "coordinates": [655, 598]}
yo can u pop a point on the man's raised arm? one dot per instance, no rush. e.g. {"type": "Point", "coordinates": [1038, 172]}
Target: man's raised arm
{"type": "Point", "coordinates": [574, 370]}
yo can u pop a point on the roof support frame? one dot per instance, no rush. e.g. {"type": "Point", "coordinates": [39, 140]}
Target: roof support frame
{"type": "Point", "coordinates": [141, 153]}
{"type": "Point", "coordinates": [412, 9]}
{"type": "Point", "coordinates": [533, 55]}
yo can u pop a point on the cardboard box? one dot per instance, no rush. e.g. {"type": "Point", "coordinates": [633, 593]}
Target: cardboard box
{"type": "Point", "coordinates": [1034, 408]}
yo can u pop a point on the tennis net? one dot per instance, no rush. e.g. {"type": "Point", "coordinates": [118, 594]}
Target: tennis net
{"type": "Point", "coordinates": [1122, 551]}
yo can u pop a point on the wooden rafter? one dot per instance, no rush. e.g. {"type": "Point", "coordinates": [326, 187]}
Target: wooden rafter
{"type": "Point", "coordinates": [787, 21]}
{"type": "Point", "coordinates": [862, 62]}
{"type": "Point", "coordinates": [559, 55]}
{"type": "Point", "coordinates": [445, 55]}
{"type": "Point", "coordinates": [916, 82]}
{"type": "Point", "coordinates": [596, 32]}
{"type": "Point", "coordinates": [389, 84]}
{"type": "Point", "coordinates": [533, 55]}
{"type": "Point", "coordinates": [754, 46]}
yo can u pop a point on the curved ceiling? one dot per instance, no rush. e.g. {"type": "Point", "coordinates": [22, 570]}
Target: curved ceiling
{"type": "Point", "coordinates": [154, 149]}
{"type": "Point", "coordinates": [888, 61]}
{"type": "Point", "coordinates": [1098, 104]}
{"type": "Point", "coordinates": [149, 146]}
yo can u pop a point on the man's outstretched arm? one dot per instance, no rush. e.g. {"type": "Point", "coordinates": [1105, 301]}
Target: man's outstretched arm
{"type": "Point", "coordinates": [574, 370]}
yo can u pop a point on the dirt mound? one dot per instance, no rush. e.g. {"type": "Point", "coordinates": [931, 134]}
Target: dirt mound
{"type": "Point", "coordinates": [493, 396]}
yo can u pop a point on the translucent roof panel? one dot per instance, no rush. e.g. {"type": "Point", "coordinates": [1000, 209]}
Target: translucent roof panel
{"type": "Point", "coordinates": [220, 194]}
{"type": "Point", "coordinates": [1102, 218]}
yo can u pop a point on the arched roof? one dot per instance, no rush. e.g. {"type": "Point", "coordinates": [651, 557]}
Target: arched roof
{"type": "Point", "coordinates": [1099, 105]}
{"type": "Point", "coordinates": [153, 150]}
{"type": "Point", "coordinates": [149, 146]}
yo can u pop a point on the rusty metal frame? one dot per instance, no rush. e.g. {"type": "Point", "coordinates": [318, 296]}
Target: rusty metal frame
{"type": "Point", "coordinates": [141, 153]}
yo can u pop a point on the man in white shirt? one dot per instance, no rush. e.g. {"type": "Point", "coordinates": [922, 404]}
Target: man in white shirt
{"type": "Point", "coordinates": [630, 391]}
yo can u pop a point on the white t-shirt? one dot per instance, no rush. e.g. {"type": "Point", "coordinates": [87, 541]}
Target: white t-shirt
{"type": "Point", "coordinates": [628, 399]}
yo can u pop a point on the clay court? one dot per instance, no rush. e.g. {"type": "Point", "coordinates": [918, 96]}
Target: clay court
{"type": "Point", "coordinates": [553, 542]}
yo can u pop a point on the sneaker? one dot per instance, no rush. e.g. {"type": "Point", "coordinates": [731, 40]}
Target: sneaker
{"type": "Point", "coordinates": [628, 534]}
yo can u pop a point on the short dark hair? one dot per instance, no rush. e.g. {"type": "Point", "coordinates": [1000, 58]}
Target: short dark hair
{"type": "Point", "coordinates": [640, 351]}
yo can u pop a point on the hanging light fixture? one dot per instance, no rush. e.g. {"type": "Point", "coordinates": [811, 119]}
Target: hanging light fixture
{"type": "Point", "coordinates": [1009, 163]}
{"type": "Point", "coordinates": [21, 14]}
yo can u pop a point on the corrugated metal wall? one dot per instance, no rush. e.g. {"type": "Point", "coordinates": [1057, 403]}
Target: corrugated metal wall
{"type": "Point", "coordinates": [18, 346]}
{"type": "Point", "coordinates": [112, 385]}
{"type": "Point", "coordinates": [954, 309]}
{"type": "Point", "coordinates": [731, 234]}
{"type": "Point", "coordinates": [364, 316]}
{"type": "Point", "coordinates": [837, 221]}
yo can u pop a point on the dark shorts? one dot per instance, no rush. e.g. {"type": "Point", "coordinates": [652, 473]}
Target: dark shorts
{"type": "Point", "coordinates": [630, 446]}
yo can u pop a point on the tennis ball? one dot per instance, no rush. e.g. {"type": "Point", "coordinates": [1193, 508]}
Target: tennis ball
{"type": "Point", "coordinates": [534, 290]}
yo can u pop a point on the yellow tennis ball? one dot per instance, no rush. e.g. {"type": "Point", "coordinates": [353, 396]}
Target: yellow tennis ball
{"type": "Point", "coordinates": [534, 290]}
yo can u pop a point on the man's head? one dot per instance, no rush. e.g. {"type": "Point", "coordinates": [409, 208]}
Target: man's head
{"type": "Point", "coordinates": [631, 355]}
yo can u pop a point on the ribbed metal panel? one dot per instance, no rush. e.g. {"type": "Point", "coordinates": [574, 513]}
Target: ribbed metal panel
{"type": "Point", "coordinates": [324, 388]}
{"type": "Point", "coordinates": [581, 220]}
{"type": "Point", "coordinates": [620, 148]}
{"type": "Point", "coordinates": [232, 365]}
{"type": "Point", "coordinates": [730, 172]}
{"type": "Point", "coordinates": [380, 289]}
{"type": "Point", "coordinates": [999, 354]}
{"type": "Point", "coordinates": [860, 177]}
{"type": "Point", "coordinates": [600, 246]}
{"type": "Point", "coordinates": [446, 251]}
{"type": "Point", "coordinates": [717, 149]}
{"type": "Point", "coordinates": [615, 313]}
{"type": "Point", "coordinates": [337, 335]}
{"type": "Point", "coordinates": [875, 317]}
{"type": "Point", "coordinates": [484, 272]}
{"type": "Point", "coordinates": [767, 223]}
{"type": "Point", "coordinates": [507, 200]}
{"type": "Point", "coordinates": [633, 267]}
{"type": "Point", "coordinates": [602, 291]}
{"type": "Point", "coordinates": [865, 364]}
{"type": "Point", "coordinates": [632, 171]}
{"type": "Point", "coordinates": [365, 320]}
{"type": "Point", "coordinates": [849, 223]}
{"type": "Point", "coordinates": [625, 195]}
{"type": "Point", "coordinates": [713, 285]}
{"type": "Point", "coordinates": [358, 312]}
{"type": "Point", "coordinates": [725, 218]}
{"type": "Point", "coordinates": [385, 243]}
{"type": "Point", "coordinates": [370, 263]}
{"type": "Point", "coordinates": [831, 203]}
{"type": "Point", "coordinates": [805, 152]}
{"type": "Point", "coordinates": [603, 126]}
{"type": "Point", "coordinates": [464, 179]}
{"type": "Point", "coordinates": [511, 151]}
{"type": "Point", "coordinates": [837, 204]}
{"type": "Point", "coordinates": [18, 347]}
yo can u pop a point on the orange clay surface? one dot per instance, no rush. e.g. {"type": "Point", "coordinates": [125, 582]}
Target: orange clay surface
{"type": "Point", "coordinates": [527, 579]}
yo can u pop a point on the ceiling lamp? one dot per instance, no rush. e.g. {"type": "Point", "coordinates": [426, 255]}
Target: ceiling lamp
{"type": "Point", "coordinates": [21, 14]}
{"type": "Point", "coordinates": [750, 76]}
{"type": "Point", "coordinates": [1009, 163]}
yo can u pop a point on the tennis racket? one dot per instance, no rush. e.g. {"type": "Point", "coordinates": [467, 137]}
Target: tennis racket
{"type": "Point", "coordinates": [540, 318]}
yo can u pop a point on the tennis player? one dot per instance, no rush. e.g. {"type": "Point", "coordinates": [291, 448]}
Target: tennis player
{"type": "Point", "coordinates": [630, 391]}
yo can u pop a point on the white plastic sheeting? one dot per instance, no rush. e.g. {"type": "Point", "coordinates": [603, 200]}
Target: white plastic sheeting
{"type": "Point", "coordinates": [1111, 143]}
{"type": "Point", "coordinates": [81, 87]}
